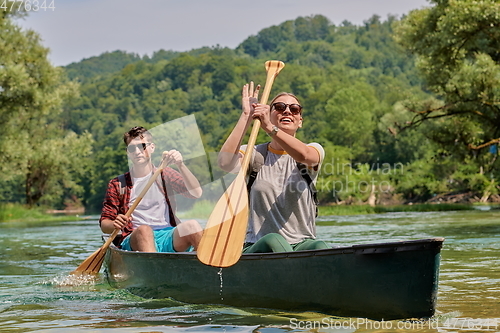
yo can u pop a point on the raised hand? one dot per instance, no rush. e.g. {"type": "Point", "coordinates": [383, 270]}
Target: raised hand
{"type": "Point", "coordinates": [249, 95]}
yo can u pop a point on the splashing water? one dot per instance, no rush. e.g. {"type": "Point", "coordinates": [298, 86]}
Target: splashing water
{"type": "Point", "coordinates": [73, 280]}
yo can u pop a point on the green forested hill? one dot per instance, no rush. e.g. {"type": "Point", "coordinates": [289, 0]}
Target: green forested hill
{"type": "Point", "coordinates": [112, 62]}
{"type": "Point", "coordinates": [348, 78]}
{"type": "Point", "coordinates": [407, 110]}
{"type": "Point", "coordinates": [109, 62]}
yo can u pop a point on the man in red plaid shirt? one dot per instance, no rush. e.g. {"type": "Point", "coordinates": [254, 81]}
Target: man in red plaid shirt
{"type": "Point", "coordinates": [153, 226]}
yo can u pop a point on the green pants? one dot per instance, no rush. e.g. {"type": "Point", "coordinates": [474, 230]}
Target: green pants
{"type": "Point", "coordinates": [277, 243]}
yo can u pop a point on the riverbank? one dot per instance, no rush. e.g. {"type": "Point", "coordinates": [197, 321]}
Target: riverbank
{"type": "Point", "coordinates": [367, 209]}
{"type": "Point", "coordinates": [11, 212]}
{"type": "Point", "coordinates": [202, 209]}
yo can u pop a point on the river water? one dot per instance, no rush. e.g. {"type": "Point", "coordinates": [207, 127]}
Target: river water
{"type": "Point", "coordinates": [35, 260]}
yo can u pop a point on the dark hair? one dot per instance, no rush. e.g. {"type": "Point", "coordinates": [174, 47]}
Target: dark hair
{"type": "Point", "coordinates": [136, 132]}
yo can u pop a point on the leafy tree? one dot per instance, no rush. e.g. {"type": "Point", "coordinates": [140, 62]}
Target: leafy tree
{"type": "Point", "coordinates": [352, 120]}
{"type": "Point", "coordinates": [223, 74]}
{"type": "Point", "coordinates": [252, 46]}
{"type": "Point", "coordinates": [456, 44]}
{"type": "Point", "coordinates": [302, 29]}
{"type": "Point", "coordinates": [106, 63]}
{"type": "Point", "coordinates": [180, 70]}
{"type": "Point", "coordinates": [34, 151]}
{"type": "Point", "coordinates": [55, 168]}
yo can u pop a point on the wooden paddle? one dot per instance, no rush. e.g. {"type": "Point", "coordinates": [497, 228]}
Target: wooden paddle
{"type": "Point", "coordinates": [93, 264]}
{"type": "Point", "coordinates": [222, 241]}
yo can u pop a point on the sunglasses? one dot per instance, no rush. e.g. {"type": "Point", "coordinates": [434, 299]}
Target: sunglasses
{"type": "Point", "coordinates": [295, 109]}
{"type": "Point", "coordinates": [141, 146]}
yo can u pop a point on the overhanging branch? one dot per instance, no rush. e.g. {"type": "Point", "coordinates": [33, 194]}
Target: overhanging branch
{"type": "Point", "coordinates": [487, 144]}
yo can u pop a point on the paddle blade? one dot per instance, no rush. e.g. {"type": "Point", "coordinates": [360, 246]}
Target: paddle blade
{"type": "Point", "coordinates": [222, 241]}
{"type": "Point", "coordinates": [273, 68]}
{"type": "Point", "coordinates": [92, 264]}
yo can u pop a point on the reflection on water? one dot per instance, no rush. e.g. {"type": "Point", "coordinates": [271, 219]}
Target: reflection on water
{"type": "Point", "coordinates": [35, 260]}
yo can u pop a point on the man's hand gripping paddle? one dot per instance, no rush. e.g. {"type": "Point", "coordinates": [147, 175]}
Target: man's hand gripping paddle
{"type": "Point", "coordinates": [93, 264]}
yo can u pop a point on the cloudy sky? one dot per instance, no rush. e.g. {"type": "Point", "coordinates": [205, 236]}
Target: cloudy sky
{"type": "Point", "coordinates": [78, 29]}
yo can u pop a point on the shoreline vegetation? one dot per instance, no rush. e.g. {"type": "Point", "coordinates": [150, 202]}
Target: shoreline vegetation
{"type": "Point", "coordinates": [11, 212]}
{"type": "Point", "coordinates": [367, 209]}
{"type": "Point", "coordinates": [202, 209]}
{"type": "Point", "coordinates": [14, 212]}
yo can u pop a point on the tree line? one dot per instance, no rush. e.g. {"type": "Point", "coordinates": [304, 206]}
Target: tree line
{"type": "Point", "coordinates": [405, 108]}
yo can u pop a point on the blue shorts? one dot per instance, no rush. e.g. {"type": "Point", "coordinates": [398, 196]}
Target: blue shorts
{"type": "Point", "coordinates": [164, 240]}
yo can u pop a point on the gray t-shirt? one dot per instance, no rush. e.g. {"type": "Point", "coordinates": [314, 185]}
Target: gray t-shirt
{"type": "Point", "coordinates": [280, 200]}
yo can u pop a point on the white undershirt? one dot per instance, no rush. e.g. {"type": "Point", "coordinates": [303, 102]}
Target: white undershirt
{"type": "Point", "coordinates": [153, 209]}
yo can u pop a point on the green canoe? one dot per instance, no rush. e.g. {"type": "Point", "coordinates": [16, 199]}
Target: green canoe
{"type": "Point", "coordinates": [385, 281]}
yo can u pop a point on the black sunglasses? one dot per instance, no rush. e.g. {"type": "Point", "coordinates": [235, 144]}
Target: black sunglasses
{"type": "Point", "coordinates": [141, 146]}
{"type": "Point", "coordinates": [295, 109]}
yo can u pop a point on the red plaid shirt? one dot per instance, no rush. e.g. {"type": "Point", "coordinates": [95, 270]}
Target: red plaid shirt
{"type": "Point", "coordinates": [170, 183]}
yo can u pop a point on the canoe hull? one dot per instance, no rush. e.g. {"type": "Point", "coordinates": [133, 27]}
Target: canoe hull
{"type": "Point", "coordinates": [378, 281]}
